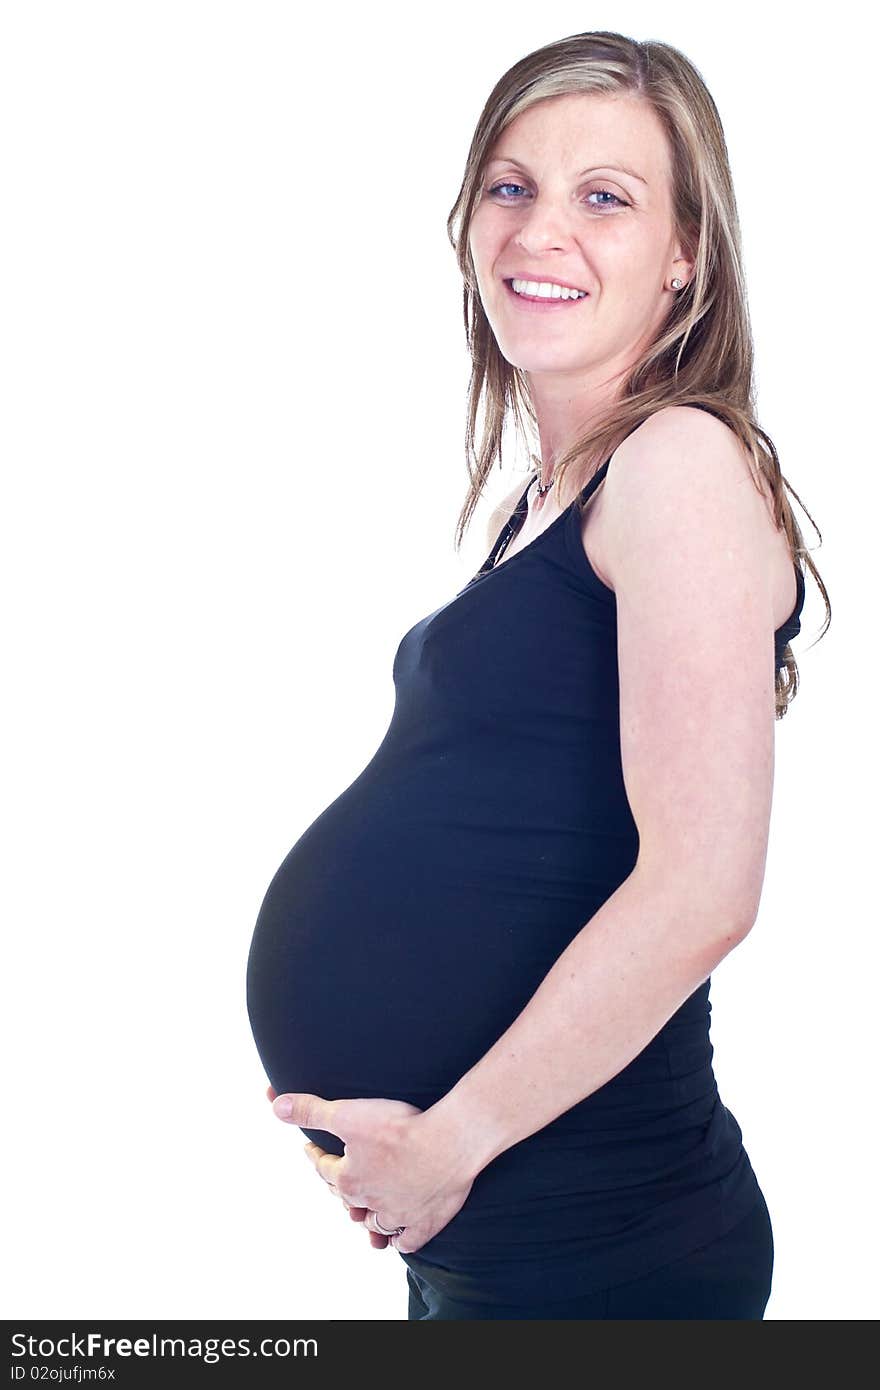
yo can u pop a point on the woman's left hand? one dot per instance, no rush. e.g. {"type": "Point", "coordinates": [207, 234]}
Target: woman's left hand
{"type": "Point", "coordinates": [396, 1166]}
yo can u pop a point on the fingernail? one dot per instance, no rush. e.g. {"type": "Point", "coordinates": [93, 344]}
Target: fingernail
{"type": "Point", "coordinates": [283, 1108]}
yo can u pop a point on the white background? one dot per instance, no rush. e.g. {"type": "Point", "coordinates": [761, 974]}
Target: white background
{"type": "Point", "coordinates": [234, 379]}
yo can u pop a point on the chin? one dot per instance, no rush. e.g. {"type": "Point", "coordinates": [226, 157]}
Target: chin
{"type": "Point", "coordinates": [538, 361]}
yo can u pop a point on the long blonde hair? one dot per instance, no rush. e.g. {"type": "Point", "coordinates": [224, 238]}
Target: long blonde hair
{"type": "Point", "coordinates": [704, 352]}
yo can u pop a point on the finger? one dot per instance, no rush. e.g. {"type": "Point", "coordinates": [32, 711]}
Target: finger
{"type": "Point", "coordinates": [326, 1163]}
{"type": "Point", "coordinates": [409, 1241]}
{"type": "Point", "coordinates": [356, 1213]}
{"type": "Point", "coordinates": [313, 1151]}
{"type": "Point", "coordinates": [372, 1222]}
{"type": "Point", "coordinates": [377, 1240]}
{"type": "Point", "coordinates": [308, 1111]}
{"type": "Point", "coordinates": [271, 1092]}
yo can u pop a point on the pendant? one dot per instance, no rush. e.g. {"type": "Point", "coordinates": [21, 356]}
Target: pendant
{"type": "Point", "coordinates": [542, 490]}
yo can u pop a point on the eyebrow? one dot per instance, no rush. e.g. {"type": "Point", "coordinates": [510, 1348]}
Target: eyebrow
{"type": "Point", "coordinates": [620, 168]}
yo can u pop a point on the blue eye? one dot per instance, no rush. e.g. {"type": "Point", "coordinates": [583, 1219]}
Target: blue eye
{"type": "Point", "coordinates": [604, 191]}
{"type": "Point", "coordinates": [608, 194]}
{"type": "Point", "coordinates": [499, 186]}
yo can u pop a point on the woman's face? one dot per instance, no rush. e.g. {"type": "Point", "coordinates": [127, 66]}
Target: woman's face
{"type": "Point", "coordinates": [578, 191]}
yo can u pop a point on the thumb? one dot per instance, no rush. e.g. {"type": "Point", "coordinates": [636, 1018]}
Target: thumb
{"type": "Point", "coordinates": [308, 1111]}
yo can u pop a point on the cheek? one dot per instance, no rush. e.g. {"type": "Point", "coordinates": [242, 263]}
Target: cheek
{"type": "Point", "coordinates": [632, 271]}
{"type": "Point", "coordinates": [483, 235]}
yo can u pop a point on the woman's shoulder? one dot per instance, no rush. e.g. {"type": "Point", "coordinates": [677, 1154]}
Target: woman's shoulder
{"type": "Point", "coordinates": [683, 470]}
{"type": "Point", "coordinates": [636, 470]}
{"type": "Point", "coordinates": [683, 423]}
{"type": "Point", "coordinates": [680, 453]}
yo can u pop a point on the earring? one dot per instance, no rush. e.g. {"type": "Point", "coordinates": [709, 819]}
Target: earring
{"type": "Point", "coordinates": [677, 284]}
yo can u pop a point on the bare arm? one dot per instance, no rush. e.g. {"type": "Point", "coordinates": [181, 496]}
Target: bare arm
{"type": "Point", "coordinates": [688, 560]}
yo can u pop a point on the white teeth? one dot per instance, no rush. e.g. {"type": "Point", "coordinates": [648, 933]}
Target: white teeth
{"type": "Point", "coordinates": [546, 289]}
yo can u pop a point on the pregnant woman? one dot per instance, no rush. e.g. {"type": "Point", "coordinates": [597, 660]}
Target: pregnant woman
{"type": "Point", "coordinates": [479, 982]}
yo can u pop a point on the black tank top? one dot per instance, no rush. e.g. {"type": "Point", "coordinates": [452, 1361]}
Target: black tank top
{"type": "Point", "coordinates": [414, 919]}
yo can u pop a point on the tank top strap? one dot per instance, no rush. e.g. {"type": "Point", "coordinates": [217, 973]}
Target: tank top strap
{"type": "Point", "coordinates": [600, 472]}
{"type": "Point", "coordinates": [508, 531]}
{"type": "Point", "coordinates": [594, 482]}
{"type": "Point", "coordinates": [520, 511]}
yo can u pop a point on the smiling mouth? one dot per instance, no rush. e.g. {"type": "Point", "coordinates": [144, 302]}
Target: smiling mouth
{"type": "Point", "coordinates": [540, 302]}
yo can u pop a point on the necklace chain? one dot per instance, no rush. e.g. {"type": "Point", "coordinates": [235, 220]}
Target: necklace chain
{"type": "Point", "coordinates": [542, 490]}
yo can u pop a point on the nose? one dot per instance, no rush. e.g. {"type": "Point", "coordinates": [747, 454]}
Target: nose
{"type": "Point", "coordinates": [544, 228]}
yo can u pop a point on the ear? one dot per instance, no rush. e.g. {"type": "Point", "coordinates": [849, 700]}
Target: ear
{"type": "Point", "coordinates": [683, 264]}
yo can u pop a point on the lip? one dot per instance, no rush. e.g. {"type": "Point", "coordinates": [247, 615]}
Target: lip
{"type": "Point", "coordinates": [532, 303]}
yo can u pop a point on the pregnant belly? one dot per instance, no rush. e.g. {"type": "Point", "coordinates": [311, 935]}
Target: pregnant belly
{"type": "Point", "coordinates": [388, 958]}
{"type": "Point", "coordinates": [393, 947]}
